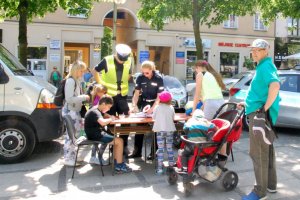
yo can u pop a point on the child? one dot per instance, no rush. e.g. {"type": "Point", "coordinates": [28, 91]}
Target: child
{"type": "Point", "coordinates": [164, 126]}
{"type": "Point", "coordinates": [95, 129]}
{"type": "Point", "coordinates": [96, 93]}
{"type": "Point", "coordinates": [196, 129]}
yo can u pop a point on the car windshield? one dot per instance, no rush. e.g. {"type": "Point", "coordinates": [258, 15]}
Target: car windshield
{"type": "Point", "coordinates": [172, 82]}
{"type": "Point", "coordinates": [12, 63]}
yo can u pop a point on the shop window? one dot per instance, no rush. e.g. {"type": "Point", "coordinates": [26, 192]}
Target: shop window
{"type": "Point", "coordinates": [229, 64]}
{"type": "Point", "coordinates": [37, 53]}
{"type": "Point", "coordinates": [232, 22]}
{"type": "Point", "coordinates": [259, 23]}
{"type": "Point", "coordinates": [191, 59]}
{"type": "Point", "coordinates": [293, 27]}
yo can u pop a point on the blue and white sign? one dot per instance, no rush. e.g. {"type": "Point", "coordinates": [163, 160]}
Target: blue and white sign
{"type": "Point", "coordinates": [144, 55]}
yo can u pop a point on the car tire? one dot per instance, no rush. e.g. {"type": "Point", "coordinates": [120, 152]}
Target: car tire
{"type": "Point", "coordinates": [17, 141]}
{"type": "Point", "coordinates": [246, 123]}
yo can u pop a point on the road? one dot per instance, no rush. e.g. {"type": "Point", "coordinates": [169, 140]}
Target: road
{"type": "Point", "coordinates": [44, 177]}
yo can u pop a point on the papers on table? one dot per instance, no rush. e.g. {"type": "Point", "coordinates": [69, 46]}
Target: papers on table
{"type": "Point", "coordinates": [140, 115]}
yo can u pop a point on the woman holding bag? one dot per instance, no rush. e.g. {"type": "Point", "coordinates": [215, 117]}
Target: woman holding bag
{"type": "Point", "coordinates": [73, 104]}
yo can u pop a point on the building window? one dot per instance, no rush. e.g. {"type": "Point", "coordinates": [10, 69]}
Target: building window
{"type": "Point", "coordinates": [293, 27]}
{"type": "Point", "coordinates": [232, 22]}
{"type": "Point", "coordinates": [259, 23]}
{"type": "Point", "coordinates": [229, 64]}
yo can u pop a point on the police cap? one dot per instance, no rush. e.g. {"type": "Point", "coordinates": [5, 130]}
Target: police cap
{"type": "Point", "coordinates": [123, 51]}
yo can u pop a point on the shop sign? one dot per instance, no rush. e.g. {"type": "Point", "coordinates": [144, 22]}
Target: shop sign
{"type": "Point", "coordinates": [230, 44]}
{"type": "Point", "coordinates": [144, 55]}
{"type": "Point", "coordinates": [180, 57]}
{"type": "Point", "coordinates": [54, 44]}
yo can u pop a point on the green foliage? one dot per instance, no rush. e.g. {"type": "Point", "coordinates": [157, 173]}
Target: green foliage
{"type": "Point", "coordinates": [106, 42]}
{"type": "Point", "coordinates": [248, 63]}
{"type": "Point", "coordinates": [212, 12]}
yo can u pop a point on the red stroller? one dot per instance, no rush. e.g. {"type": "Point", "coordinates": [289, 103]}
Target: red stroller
{"type": "Point", "coordinates": [203, 163]}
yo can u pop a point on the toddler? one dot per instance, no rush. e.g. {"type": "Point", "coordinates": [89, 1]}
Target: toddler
{"type": "Point", "coordinates": [196, 129]}
{"type": "Point", "coordinates": [164, 126]}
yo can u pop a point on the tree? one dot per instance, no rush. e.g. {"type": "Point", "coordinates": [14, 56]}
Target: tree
{"type": "Point", "coordinates": [201, 12]}
{"type": "Point", "coordinates": [26, 10]}
{"type": "Point", "coordinates": [106, 42]}
{"type": "Point", "coordinates": [213, 12]}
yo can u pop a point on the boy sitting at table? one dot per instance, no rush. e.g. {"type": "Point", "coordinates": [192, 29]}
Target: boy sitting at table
{"type": "Point", "coordinates": [95, 127]}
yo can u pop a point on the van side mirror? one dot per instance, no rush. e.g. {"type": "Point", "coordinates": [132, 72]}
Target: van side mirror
{"type": "Point", "coordinates": [3, 76]}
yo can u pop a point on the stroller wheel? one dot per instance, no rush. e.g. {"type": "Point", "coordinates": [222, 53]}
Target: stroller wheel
{"type": "Point", "coordinates": [172, 178]}
{"type": "Point", "coordinates": [188, 189]}
{"type": "Point", "coordinates": [229, 180]}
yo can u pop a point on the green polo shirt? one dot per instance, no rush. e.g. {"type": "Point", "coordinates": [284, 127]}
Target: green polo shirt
{"type": "Point", "coordinates": [257, 95]}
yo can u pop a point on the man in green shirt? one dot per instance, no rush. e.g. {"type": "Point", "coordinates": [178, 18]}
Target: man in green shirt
{"type": "Point", "coordinates": [262, 97]}
{"type": "Point", "coordinates": [55, 77]}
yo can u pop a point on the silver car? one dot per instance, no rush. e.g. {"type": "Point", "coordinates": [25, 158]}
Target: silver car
{"type": "Point", "coordinates": [289, 113]}
{"type": "Point", "coordinates": [175, 87]}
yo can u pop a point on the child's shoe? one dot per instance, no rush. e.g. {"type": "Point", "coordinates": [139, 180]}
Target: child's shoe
{"type": "Point", "coordinates": [122, 168]}
{"type": "Point", "coordinates": [159, 172]}
{"type": "Point", "coordinates": [253, 196]}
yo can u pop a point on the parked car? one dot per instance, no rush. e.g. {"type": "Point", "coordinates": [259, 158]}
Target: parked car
{"type": "Point", "coordinates": [175, 87]}
{"type": "Point", "coordinates": [289, 92]}
{"type": "Point", "coordinates": [229, 82]}
{"type": "Point", "coordinates": [27, 112]}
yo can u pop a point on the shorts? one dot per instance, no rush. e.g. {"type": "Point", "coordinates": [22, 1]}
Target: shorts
{"type": "Point", "coordinates": [99, 135]}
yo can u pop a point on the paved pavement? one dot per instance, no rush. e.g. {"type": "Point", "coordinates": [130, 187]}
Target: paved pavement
{"type": "Point", "coordinates": [44, 177]}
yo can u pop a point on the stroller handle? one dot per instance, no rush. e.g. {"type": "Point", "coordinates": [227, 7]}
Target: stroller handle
{"type": "Point", "coordinates": [226, 104]}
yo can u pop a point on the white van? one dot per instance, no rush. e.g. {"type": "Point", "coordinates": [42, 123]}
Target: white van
{"type": "Point", "coordinates": [27, 112]}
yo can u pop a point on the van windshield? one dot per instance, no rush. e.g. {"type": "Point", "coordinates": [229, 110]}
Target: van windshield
{"type": "Point", "coordinates": [12, 63]}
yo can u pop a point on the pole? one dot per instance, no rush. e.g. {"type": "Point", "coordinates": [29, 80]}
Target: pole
{"type": "Point", "coordinates": [114, 27]}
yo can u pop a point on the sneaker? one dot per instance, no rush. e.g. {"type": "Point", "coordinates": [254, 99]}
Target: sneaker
{"type": "Point", "coordinates": [253, 196]}
{"type": "Point", "coordinates": [94, 160]}
{"type": "Point", "coordinates": [159, 172]}
{"type": "Point", "coordinates": [271, 190]}
{"type": "Point", "coordinates": [122, 168]}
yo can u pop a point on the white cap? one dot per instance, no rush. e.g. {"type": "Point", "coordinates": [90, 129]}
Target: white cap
{"type": "Point", "coordinates": [260, 43]}
{"type": "Point", "coordinates": [123, 50]}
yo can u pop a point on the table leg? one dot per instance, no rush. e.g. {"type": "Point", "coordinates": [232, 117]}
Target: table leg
{"type": "Point", "coordinates": [113, 154]}
{"type": "Point", "coordinates": [154, 150]}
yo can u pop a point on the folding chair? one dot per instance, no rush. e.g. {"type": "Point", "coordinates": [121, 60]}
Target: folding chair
{"type": "Point", "coordinates": [82, 141]}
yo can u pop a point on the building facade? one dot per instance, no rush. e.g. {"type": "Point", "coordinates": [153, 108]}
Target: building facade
{"type": "Point", "coordinates": [59, 39]}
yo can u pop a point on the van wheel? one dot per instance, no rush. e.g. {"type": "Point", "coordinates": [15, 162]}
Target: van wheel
{"type": "Point", "coordinates": [17, 141]}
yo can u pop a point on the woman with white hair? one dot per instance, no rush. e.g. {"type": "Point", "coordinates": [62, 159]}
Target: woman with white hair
{"type": "Point", "coordinates": [73, 102]}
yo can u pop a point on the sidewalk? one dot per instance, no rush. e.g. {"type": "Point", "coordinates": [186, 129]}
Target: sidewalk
{"type": "Point", "coordinates": [44, 177]}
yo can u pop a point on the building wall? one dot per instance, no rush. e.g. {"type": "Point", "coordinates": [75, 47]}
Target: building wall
{"type": "Point", "coordinates": [59, 27]}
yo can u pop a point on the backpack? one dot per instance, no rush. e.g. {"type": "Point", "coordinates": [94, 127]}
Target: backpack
{"type": "Point", "coordinates": [60, 93]}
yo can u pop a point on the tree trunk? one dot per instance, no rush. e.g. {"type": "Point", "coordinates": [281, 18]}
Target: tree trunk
{"type": "Point", "coordinates": [196, 28]}
{"type": "Point", "coordinates": [22, 9]}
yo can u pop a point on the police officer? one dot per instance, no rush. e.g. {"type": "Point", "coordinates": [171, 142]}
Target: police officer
{"type": "Point", "coordinates": [148, 85]}
{"type": "Point", "coordinates": [115, 73]}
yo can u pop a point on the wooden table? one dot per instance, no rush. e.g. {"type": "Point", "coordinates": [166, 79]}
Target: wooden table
{"type": "Point", "coordinates": [134, 125]}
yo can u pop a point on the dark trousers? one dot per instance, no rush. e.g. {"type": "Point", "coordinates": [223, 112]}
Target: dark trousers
{"type": "Point", "coordinates": [120, 107]}
{"type": "Point", "coordinates": [139, 138]}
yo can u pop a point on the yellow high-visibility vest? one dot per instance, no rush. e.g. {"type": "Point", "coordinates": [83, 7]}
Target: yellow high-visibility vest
{"type": "Point", "coordinates": [109, 79]}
